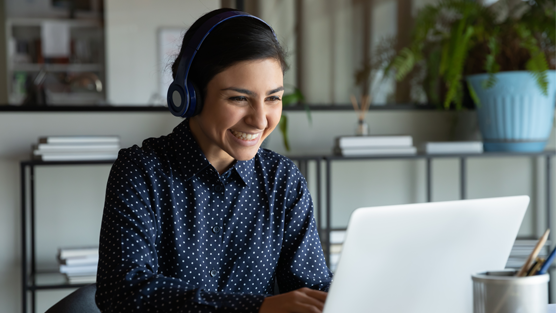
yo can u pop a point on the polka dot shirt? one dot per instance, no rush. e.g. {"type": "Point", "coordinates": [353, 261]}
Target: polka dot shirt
{"type": "Point", "coordinates": [179, 237]}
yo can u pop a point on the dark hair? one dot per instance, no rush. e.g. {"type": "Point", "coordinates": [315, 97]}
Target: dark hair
{"type": "Point", "coordinates": [235, 40]}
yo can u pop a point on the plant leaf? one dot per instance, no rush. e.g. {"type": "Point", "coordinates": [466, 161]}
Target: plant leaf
{"type": "Point", "coordinates": [473, 94]}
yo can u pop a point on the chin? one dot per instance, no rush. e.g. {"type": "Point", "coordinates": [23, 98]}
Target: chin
{"type": "Point", "coordinates": [245, 155]}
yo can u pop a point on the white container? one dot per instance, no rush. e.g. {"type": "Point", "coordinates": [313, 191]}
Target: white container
{"type": "Point", "coordinates": [502, 292]}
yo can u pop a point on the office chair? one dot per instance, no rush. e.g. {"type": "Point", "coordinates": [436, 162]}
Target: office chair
{"type": "Point", "coordinates": [83, 301]}
{"type": "Point", "coordinates": [80, 301]}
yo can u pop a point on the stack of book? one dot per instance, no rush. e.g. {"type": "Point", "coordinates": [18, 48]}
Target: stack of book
{"type": "Point", "coordinates": [453, 147]}
{"type": "Point", "coordinates": [79, 265]}
{"type": "Point", "coordinates": [374, 145]}
{"type": "Point", "coordinates": [77, 148]}
{"type": "Point", "coordinates": [521, 251]}
{"type": "Point", "coordinates": [337, 238]}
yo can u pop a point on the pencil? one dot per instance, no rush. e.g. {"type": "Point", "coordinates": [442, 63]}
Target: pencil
{"type": "Point", "coordinates": [525, 268]}
{"type": "Point", "coordinates": [535, 267]}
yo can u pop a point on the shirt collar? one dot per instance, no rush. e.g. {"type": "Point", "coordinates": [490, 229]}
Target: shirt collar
{"type": "Point", "coordinates": [245, 170]}
{"type": "Point", "coordinates": [192, 160]}
{"type": "Point", "coordinates": [188, 154]}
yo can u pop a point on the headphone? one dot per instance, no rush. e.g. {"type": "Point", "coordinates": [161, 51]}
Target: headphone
{"type": "Point", "coordinates": [184, 97]}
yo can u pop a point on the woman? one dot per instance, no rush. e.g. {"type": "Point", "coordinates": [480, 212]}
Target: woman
{"type": "Point", "coordinates": [202, 219]}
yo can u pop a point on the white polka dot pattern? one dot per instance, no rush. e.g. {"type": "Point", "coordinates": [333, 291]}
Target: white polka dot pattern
{"type": "Point", "coordinates": [179, 237]}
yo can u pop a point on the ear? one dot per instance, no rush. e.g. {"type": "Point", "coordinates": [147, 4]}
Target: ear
{"type": "Point", "coordinates": [200, 100]}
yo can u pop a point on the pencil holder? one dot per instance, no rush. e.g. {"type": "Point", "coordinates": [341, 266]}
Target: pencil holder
{"type": "Point", "coordinates": [502, 292]}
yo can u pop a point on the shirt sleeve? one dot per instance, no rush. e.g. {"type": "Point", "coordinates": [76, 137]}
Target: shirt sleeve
{"type": "Point", "coordinates": [128, 279]}
{"type": "Point", "coordinates": [301, 262]}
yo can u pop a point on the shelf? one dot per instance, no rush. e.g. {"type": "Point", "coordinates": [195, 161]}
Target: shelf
{"type": "Point", "coordinates": [147, 108]}
{"type": "Point", "coordinates": [34, 67]}
{"type": "Point", "coordinates": [52, 280]}
{"type": "Point", "coordinates": [435, 156]}
{"type": "Point", "coordinates": [46, 163]}
{"type": "Point", "coordinates": [39, 21]}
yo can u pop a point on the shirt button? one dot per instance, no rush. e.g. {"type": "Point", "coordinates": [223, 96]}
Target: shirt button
{"type": "Point", "coordinates": [213, 273]}
{"type": "Point", "coordinates": [218, 188]}
{"type": "Point", "coordinates": [216, 229]}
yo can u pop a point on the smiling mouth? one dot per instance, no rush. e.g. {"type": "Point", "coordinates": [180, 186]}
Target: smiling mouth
{"type": "Point", "coordinates": [244, 136]}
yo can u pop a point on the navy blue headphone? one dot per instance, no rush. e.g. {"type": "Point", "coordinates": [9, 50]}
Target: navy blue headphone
{"type": "Point", "coordinates": [184, 98]}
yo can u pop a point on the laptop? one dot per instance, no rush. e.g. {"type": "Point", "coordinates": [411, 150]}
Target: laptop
{"type": "Point", "coordinates": [418, 258]}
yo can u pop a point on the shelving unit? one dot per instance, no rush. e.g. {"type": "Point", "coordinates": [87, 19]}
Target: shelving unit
{"type": "Point", "coordinates": [428, 158]}
{"type": "Point", "coordinates": [21, 73]}
{"type": "Point", "coordinates": [33, 281]}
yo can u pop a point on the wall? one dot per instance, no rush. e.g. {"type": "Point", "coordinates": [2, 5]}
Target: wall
{"type": "Point", "coordinates": [131, 39]}
{"type": "Point", "coordinates": [70, 199]}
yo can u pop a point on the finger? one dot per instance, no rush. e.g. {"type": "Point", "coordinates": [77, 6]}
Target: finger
{"type": "Point", "coordinates": [316, 294]}
{"type": "Point", "coordinates": [308, 308]}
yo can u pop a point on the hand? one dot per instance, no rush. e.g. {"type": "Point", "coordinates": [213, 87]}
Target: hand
{"type": "Point", "coordinates": [302, 300]}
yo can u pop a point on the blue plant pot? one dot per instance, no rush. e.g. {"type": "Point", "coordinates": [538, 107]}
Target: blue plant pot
{"type": "Point", "coordinates": [514, 115]}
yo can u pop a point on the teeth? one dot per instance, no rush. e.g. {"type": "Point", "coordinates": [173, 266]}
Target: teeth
{"type": "Point", "coordinates": [244, 136]}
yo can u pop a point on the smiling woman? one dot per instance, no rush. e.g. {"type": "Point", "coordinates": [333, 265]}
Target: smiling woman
{"type": "Point", "coordinates": [203, 219]}
{"type": "Point", "coordinates": [242, 107]}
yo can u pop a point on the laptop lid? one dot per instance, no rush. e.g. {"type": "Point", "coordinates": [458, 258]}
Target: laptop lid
{"type": "Point", "coordinates": [418, 258]}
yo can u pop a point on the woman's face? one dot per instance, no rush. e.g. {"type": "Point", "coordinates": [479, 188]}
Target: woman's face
{"type": "Point", "coordinates": [242, 107]}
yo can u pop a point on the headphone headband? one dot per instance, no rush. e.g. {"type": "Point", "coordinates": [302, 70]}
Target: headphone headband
{"type": "Point", "coordinates": [183, 98]}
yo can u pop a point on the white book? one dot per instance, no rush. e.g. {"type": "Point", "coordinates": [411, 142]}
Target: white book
{"type": "Point", "coordinates": [529, 243]}
{"type": "Point", "coordinates": [75, 152]}
{"type": "Point", "coordinates": [72, 252]}
{"type": "Point", "coordinates": [85, 260]}
{"type": "Point", "coordinates": [47, 147]}
{"type": "Point", "coordinates": [376, 151]}
{"type": "Point", "coordinates": [88, 279]}
{"type": "Point", "coordinates": [450, 147]}
{"type": "Point", "coordinates": [79, 139]}
{"type": "Point", "coordinates": [78, 269]}
{"type": "Point", "coordinates": [373, 141]}
{"type": "Point", "coordinates": [79, 157]}
{"type": "Point", "coordinates": [337, 236]}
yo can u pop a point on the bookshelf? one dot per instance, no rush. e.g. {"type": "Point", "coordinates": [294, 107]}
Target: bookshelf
{"type": "Point", "coordinates": [428, 159]}
{"type": "Point", "coordinates": [34, 281]}
{"type": "Point", "coordinates": [65, 81]}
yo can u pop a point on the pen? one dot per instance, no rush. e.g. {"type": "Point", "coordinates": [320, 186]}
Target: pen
{"type": "Point", "coordinates": [535, 267]}
{"type": "Point", "coordinates": [523, 271]}
{"type": "Point", "coordinates": [547, 263]}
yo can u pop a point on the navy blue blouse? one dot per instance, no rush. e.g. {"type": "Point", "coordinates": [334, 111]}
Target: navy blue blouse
{"type": "Point", "coordinates": [179, 237]}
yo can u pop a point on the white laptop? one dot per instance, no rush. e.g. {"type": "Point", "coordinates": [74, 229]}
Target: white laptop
{"type": "Point", "coordinates": [418, 258]}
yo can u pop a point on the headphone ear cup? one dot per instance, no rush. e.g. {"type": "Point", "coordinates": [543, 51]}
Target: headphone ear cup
{"type": "Point", "coordinates": [199, 99]}
{"type": "Point", "coordinates": [177, 99]}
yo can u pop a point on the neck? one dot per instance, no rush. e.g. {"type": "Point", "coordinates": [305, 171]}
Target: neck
{"type": "Point", "coordinates": [217, 157]}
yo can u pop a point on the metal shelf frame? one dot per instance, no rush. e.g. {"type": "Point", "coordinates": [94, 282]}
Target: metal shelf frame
{"type": "Point", "coordinates": [548, 155]}
{"type": "Point", "coordinates": [29, 272]}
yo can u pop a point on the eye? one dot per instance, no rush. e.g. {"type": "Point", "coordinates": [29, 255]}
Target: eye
{"type": "Point", "coordinates": [238, 99]}
{"type": "Point", "coordinates": [273, 98]}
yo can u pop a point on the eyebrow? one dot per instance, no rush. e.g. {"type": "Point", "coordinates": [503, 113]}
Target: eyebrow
{"type": "Point", "coordinates": [250, 93]}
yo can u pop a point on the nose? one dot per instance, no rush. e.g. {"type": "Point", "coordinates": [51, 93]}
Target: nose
{"type": "Point", "coordinates": [257, 116]}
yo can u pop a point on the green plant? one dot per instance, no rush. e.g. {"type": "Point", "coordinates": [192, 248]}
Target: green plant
{"type": "Point", "coordinates": [455, 38]}
{"type": "Point", "coordinates": [288, 99]}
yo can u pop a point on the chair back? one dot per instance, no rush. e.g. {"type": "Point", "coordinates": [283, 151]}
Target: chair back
{"type": "Point", "coordinates": [80, 301]}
